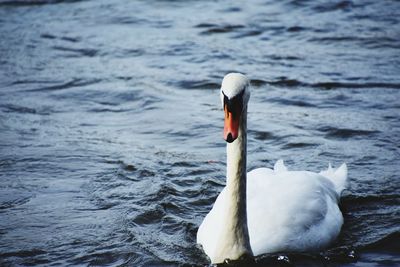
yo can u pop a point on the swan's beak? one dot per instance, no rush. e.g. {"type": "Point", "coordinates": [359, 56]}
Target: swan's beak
{"type": "Point", "coordinates": [231, 125]}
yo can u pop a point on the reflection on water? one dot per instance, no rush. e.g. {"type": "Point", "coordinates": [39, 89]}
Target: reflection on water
{"type": "Point", "coordinates": [111, 147]}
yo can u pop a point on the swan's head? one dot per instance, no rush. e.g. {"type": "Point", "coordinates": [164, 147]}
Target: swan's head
{"type": "Point", "coordinates": [235, 95]}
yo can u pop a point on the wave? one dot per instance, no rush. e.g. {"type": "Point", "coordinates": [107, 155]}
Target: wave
{"type": "Point", "coordinates": [17, 3]}
{"type": "Point", "coordinates": [337, 133]}
{"type": "Point", "coordinates": [77, 82]}
{"type": "Point", "coordinates": [218, 28]}
{"type": "Point", "coordinates": [77, 52]}
{"type": "Point", "coordinates": [200, 84]}
{"type": "Point", "coordinates": [285, 82]}
{"type": "Point", "coordinates": [390, 243]}
{"type": "Point", "coordinates": [367, 199]}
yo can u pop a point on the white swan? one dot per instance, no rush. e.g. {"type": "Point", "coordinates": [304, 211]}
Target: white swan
{"type": "Point", "coordinates": [265, 210]}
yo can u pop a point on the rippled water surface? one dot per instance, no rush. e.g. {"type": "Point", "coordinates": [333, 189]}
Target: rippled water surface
{"type": "Point", "coordinates": [111, 149]}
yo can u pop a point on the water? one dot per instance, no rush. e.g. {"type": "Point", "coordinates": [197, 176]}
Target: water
{"type": "Point", "coordinates": [111, 149]}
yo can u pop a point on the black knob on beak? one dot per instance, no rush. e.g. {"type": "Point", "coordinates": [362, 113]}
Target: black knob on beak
{"type": "Point", "coordinates": [229, 138]}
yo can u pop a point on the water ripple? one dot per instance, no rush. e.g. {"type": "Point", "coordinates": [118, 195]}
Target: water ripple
{"type": "Point", "coordinates": [286, 82]}
{"type": "Point", "coordinates": [77, 82]}
{"type": "Point", "coordinates": [331, 132]}
{"type": "Point", "coordinates": [217, 29]}
{"type": "Point", "coordinates": [16, 3]}
{"type": "Point", "coordinates": [76, 52]}
{"type": "Point", "coordinates": [110, 122]}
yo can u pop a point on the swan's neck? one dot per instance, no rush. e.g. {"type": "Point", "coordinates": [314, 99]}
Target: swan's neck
{"type": "Point", "coordinates": [234, 241]}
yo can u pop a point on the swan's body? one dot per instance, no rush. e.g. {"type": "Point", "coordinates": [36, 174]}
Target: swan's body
{"type": "Point", "coordinates": [265, 210]}
{"type": "Point", "coordinates": [287, 211]}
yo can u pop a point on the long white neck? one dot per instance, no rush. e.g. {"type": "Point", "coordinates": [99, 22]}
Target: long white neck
{"type": "Point", "coordinates": [234, 240]}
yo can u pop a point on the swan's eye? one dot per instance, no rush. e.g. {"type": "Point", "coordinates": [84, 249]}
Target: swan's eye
{"type": "Point", "coordinates": [235, 104]}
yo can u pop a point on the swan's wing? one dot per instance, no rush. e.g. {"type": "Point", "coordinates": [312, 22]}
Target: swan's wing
{"type": "Point", "coordinates": [337, 176]}
{"type": "Point", "coordinates": [291, 211]}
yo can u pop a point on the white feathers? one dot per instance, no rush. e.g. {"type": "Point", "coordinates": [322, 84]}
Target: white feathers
{"type": "Point", "coordinates": [337, 176]}
{"type": "Point", "coordinates": [290, 211]}
{"type": "Point", "coordinates": [233, 84]}
{"type": "Point", "coordinates": [280, 166]}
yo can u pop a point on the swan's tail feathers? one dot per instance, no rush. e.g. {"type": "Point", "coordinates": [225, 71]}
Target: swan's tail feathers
{"type": "Point", "coordinates": [337, 176]}
{"type": "Point", "coordinates": [280, 166]}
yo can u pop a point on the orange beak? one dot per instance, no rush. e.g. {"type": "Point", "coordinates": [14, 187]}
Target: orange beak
{"type": "Point", "coordinates": [231, 125]}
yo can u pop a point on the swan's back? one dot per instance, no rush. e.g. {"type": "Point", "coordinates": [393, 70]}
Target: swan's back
{"type": "Point", "coordinates": [286, 210]}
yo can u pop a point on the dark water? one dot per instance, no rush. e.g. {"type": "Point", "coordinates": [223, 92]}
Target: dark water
{"type": "Point", "coordinates": [111, 149]}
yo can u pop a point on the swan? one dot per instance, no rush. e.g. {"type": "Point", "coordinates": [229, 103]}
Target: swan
{"type": "Point", "coordinates": [267, 210]}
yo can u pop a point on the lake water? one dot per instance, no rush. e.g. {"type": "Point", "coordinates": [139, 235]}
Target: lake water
{"type": "Point", "coordinates": [111, 149]}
